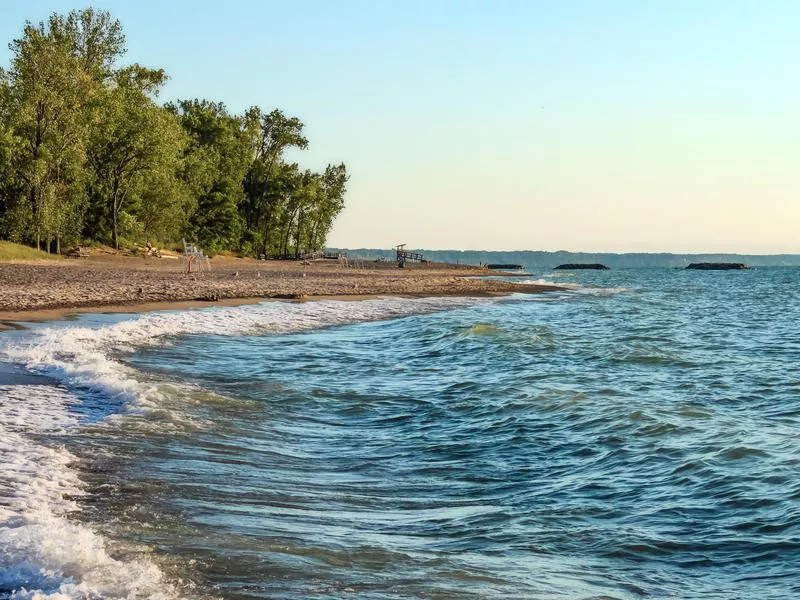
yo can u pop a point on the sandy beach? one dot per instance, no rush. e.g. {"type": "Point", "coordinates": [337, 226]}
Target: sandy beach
{"type": "Point", "coordinates": [35, 290]}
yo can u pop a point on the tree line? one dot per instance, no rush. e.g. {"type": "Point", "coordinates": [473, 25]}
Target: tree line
{"type": "Point", "coordinates": [87, 153]}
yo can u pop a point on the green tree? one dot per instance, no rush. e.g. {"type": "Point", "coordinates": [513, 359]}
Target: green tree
{"type": "Point", "coordinates": [135, 150]}
{"type": "Point", "coordinates": [7, 152]}
{"type": "Point", "coordinates": [56, 69]}
{"type": "Point", "coordinates": [217, 159]}
{"type": "Point", "coordinates": [43, 111]}
{"type": "Point", "coordinates": [315, 201]}
{"type": "Point", "coordinates": [299, 188]}
{"type": "Point", "coordinates": [95, 38]}
{"type": "Point", "coordinates": [268, 182]}
{"type": "Point", "coordinates": [85, 149]}
{"type": "Point", "coordinates": [330, 202]}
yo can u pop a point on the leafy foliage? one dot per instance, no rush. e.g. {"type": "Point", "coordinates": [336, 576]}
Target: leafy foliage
{"type": "Point", "coordinates": [87, 153]}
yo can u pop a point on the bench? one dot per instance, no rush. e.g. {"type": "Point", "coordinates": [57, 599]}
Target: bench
{"type": "Point", "coordinates": [77, 253]}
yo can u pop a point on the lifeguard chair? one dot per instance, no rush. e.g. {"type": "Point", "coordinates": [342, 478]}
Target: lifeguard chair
{"type": "Point", "coordinates": [403, 255]}
{"type": "Point", "coordinates": [194, 259]}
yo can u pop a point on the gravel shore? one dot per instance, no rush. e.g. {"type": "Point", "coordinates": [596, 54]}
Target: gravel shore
{"type": "Point", "coordinates": [113, 280]}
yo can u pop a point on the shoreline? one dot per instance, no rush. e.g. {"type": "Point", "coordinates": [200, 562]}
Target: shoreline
{"type": "Point", "coordinates": [13, 319]}
{"type": "Point", "coordinates": [35, 291]}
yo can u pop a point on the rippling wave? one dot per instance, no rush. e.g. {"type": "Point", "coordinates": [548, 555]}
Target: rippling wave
{"type": "Point", "coordinates": [634, 437]}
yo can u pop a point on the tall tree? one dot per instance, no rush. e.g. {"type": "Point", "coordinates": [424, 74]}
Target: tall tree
{"type": "Point", "coordinates": [7, 152]}
{"type": "Point", "coordinates": [218, 157]}
{"type": "Point", "coordinates": [135, 145]}
{"type": "Point", "coordinates": [86, 150]}
{"type": "Point", "coordinates": [315, 202]}
{"type": "Point", "coordinates": [330, 202]}
{"type": "Point", "coordinates": [94, 37]}
{"type": "Point", "coordinates": [56, 69]}
{"type": "Point", "coordinates": [43, 113]}
{"type": "Point", "coordinates": [267, 181]}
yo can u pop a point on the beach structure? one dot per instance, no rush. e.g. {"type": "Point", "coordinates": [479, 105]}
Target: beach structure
{"type": "Point", "coordinates": [194, 260]}
{"type": "Point", "coordinates": [404, 255]}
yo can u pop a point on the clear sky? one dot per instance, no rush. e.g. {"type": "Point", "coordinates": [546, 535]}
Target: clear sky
{"type": "Point", "coordinates": [594, 126]}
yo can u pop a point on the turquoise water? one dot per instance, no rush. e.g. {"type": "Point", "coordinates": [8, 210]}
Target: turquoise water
{"type": "Point", "coordinates": [636, 436]}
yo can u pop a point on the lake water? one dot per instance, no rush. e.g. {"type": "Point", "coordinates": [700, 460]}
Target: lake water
{"type": "Point", "coordinates": [637, 436]}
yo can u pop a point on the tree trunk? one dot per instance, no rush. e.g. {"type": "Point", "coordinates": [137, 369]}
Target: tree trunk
{"type": "Point", "coordinates": [285, 237]}
{"type": "Point", "coordinates": [116, 239]}
{"type": "Point", "coordinates": [265, 238]}
{"type": "Point", "coordinates": [300, 219]}
{"type": "Point", "coordinates": [34, 210]}
{"type": "Point", "coordinates": [312, 243]}
{"type": "Point", "coordinates": [114, 197]}
{"type": "Point", "coordinates": [40, 109]}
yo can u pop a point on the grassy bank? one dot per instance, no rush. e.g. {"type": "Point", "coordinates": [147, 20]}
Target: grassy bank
{"type": "Point", "coordinates": [12, 251]}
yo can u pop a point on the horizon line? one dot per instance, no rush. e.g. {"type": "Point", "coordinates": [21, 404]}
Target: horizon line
{"type": "Point", "coordinates": [673, 253]}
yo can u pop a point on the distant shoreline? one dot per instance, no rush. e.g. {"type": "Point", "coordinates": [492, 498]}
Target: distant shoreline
{"type": "Point", "coordinates": [51, 290]}
{"type": "Point", "coordinates": [545, 259]}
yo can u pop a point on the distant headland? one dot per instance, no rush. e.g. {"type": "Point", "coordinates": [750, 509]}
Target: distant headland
{"type": "Point", "coordinates": [542, 260]}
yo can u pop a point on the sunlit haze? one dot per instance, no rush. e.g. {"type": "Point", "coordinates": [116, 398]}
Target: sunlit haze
{"type": "Point", "coordinates": [587, 126]}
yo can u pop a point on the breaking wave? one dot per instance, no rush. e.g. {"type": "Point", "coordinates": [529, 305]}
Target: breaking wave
{"type": "Point", "coordinates": [46, 552]}
{"type": "Point", "coordinates": [87, 357]}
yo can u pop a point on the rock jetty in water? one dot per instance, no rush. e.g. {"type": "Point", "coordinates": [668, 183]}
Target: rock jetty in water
{"type": "Point", "coordinates": [575, 266]}
{"type": "Point", "coordinates": [712, 266]}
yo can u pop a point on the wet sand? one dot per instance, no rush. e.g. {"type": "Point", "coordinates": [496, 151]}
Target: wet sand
{"type": "Point", "coordinates": [44, 290]}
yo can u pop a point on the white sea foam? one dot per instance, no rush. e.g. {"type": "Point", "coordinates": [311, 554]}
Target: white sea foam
{"type": "Point", "coordinates": [578, 288]}
{"type": "Point", "coordinates": [43, 553]}
{"type": "Point", "coordinates": [541, 281]}
{"type": "Point", "coordinates": [85, 356]}
{"type": "Point", "coordinates": [602, 291]}
{"type": "Point", "coordinates": [559, 274]}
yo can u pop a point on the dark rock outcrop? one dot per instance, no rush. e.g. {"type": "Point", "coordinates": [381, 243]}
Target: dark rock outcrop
{"type": "Point", "coordinates": [712, 266]}
{"type": "Point", "coordinates": [577, 266]}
